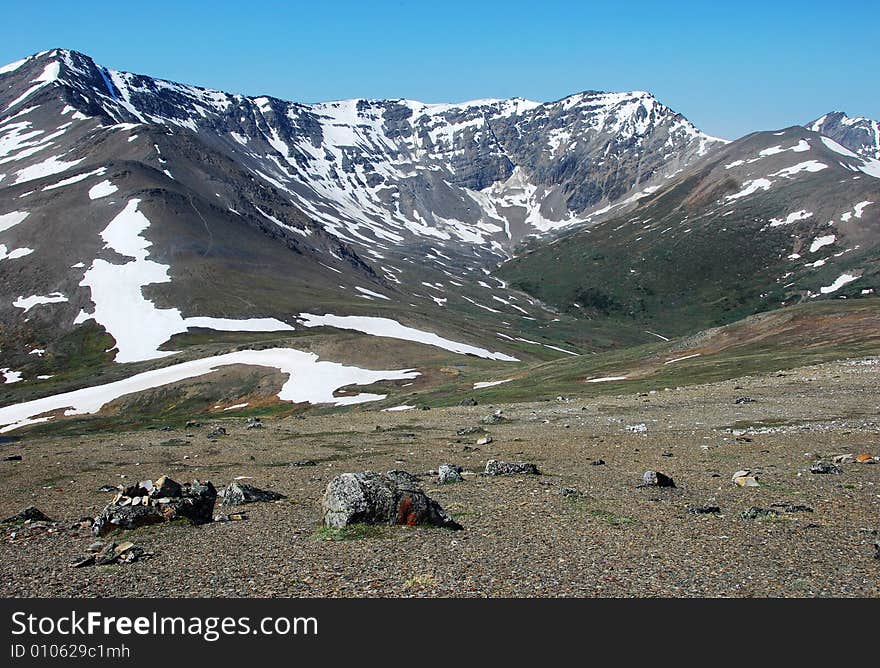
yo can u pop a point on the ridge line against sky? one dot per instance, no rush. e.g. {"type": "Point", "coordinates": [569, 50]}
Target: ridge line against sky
{"type": "Point", "coordinates": [731, 69]}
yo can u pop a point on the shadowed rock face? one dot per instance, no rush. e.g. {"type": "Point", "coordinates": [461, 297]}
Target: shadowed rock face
{"type": "Point", "coordinates": [860, 135]}
{"type": "Point", "coordinates": [389, 498]}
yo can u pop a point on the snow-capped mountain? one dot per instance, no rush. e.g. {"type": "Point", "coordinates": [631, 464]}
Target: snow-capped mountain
{"type": "Point", "coordinates": [385, 172]}
{"type": "Point", "coordinates": [858, 134]}
{"type": "Point", "coordinates": [142, 219]}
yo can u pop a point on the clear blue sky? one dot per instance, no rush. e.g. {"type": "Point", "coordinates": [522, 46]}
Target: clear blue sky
{"type": "Point", "coordinates": [731, 67]}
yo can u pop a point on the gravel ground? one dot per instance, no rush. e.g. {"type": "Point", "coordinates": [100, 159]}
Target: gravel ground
{"type": "Point", "coordinates": [522, 537]}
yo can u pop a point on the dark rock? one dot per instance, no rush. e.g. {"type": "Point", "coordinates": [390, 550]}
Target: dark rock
{"type": "Point", "coordinates": [108, 488]}
{"type": "Point", "coordinates": [197, 504]}
{"type": "Point", "coordinates": [470, 401]}
{"type": "Point", "coordinates": [390, 498]}
{"type": "Point", "coordinates": [80, 562]}
{"type": "Point", "coordinates": [216, 432]}
{"type": "Point", "coordinates": [569, 493]}
{"type": "Point", "coordinates": [467, 431]}
{"type": "Point", "coordinates": [825, 468]}
{"type": "Point", "coordinates": [167, 501]}
{"type": "Point", "coordinates": [12, 458]}
{"type": "Point", "coordinates": [657, 479]}
{"type": "Point", "coordinates": [755, 513]}
{"type": "Point", "coordinates": [791, 508]}
{"type": "Point", "coordinates": [116, 517]}
{"type": "Point", "coordinates": [704, 510]}
{"type": "Point", "coordinates": [166, 487]}
{"type": "Point", "coordinates": [238, 494]}
{"type": "Point", "coordinates": [494, 467]}
{"type": "Point", "coordinates": [254, 423]}
{"type": "Point", "coordinates": [744, 400]}
{"type": "Point", "coordinates": [191, 424]}
{"type": "Point", "coordinates": [30, 513]}
{"type": "Point", "coordinates": [305, 462]}
{"type": "Point", "coordinates": [597, 462]}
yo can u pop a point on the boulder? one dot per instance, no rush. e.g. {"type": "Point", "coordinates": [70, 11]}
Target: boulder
{"type": "Point", "coordinates": [29, 514]}
{"type": "Point", "coordinates": [238, 494]}
{"type": "Point", "coordinates": [495, 467]}
{"type": "Point", "coordinates": [390, 498]}
{"type": "Point", "coordinates": [164, 501]}
{"type": "Point", "coordinates": [494, 418]}
{"type": "Point", "coordinates": [707, 509]}
{"type": "Point", "coordinates": [825, 468]}
{"type": "Point", "coordinates": [744, 478]}
{"type": "Point", "coordinates": [470, 401]}
{"type": "Point", "coordinates": [449, 473]}
{"type": "Point", "coordinates": [116, 517]}
{"type": "Point", "coordinates": [657, 479]}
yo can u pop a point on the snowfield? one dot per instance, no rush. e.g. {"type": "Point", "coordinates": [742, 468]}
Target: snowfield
{"type": "Point", "coordinates": [137, 325]}
{"type": "Point", "coordinates": [309, 380]}
{"type": "Point", "coordinates": [394, 330]}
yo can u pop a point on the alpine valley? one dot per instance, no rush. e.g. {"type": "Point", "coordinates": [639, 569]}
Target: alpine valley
{"type": "Point", "coordinates": [171, 251]}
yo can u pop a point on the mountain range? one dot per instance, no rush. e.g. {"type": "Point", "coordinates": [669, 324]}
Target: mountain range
{"type": "Point", "coordinates": [142, 219]}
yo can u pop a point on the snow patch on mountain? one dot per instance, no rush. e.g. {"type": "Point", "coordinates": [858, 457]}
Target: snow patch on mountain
{"type": "Point", "coordinates": [392, 329]}
{"type": "Point", "coordinates": [309, 381]}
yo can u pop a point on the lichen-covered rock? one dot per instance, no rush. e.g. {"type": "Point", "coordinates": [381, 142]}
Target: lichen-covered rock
{"type": "Point", "coordinates": [448, 474]}
{"type": "Point", "coordinates": [494, 467]}
{"type": "Point", "coordinates": [238, 493]}
{"type": "Point", "coordinates": [390, 498]}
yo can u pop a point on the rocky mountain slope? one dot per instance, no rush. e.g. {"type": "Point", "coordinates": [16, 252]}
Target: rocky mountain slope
{"type": "Point", "coordinates": [858, 134]}
{"type": "Point", "coordinates": [176, 207]}
{"type": "Point", "coordinates": [772, 219]}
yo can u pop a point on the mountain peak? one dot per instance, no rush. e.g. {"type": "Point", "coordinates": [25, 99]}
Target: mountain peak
{"type": "Point", "coordinates": [857, 133]}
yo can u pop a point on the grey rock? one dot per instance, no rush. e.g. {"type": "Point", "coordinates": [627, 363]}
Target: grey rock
{"type": "Point", "coordinates": [494, 418]}
{"type": "Point", "coordinates": [707, 509]}
{"type": "Point", "coordinates": [825, 468]}
{"type": "Point", "coordinates": [449, 473]}
{"type": "Point", "coordinates": [116, 517]}
{"type": "Point", "coordinates": [371, 498]}
{"type": "Point", "coordinates": [194, 501]}
{"type": "Point", "coordinates": [237, 494]}
{"type": "Point", "coordinates": [657, 479]}
{"type": "Point", "coordinates": [755, 513]}
{"type": "Point", "coordinates": [470, 401]}
{"type": "Point", "coordinates": [495, 467]}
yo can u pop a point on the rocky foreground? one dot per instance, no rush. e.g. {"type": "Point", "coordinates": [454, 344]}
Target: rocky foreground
{"type": "Point", "coordinates": [763, 486]}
